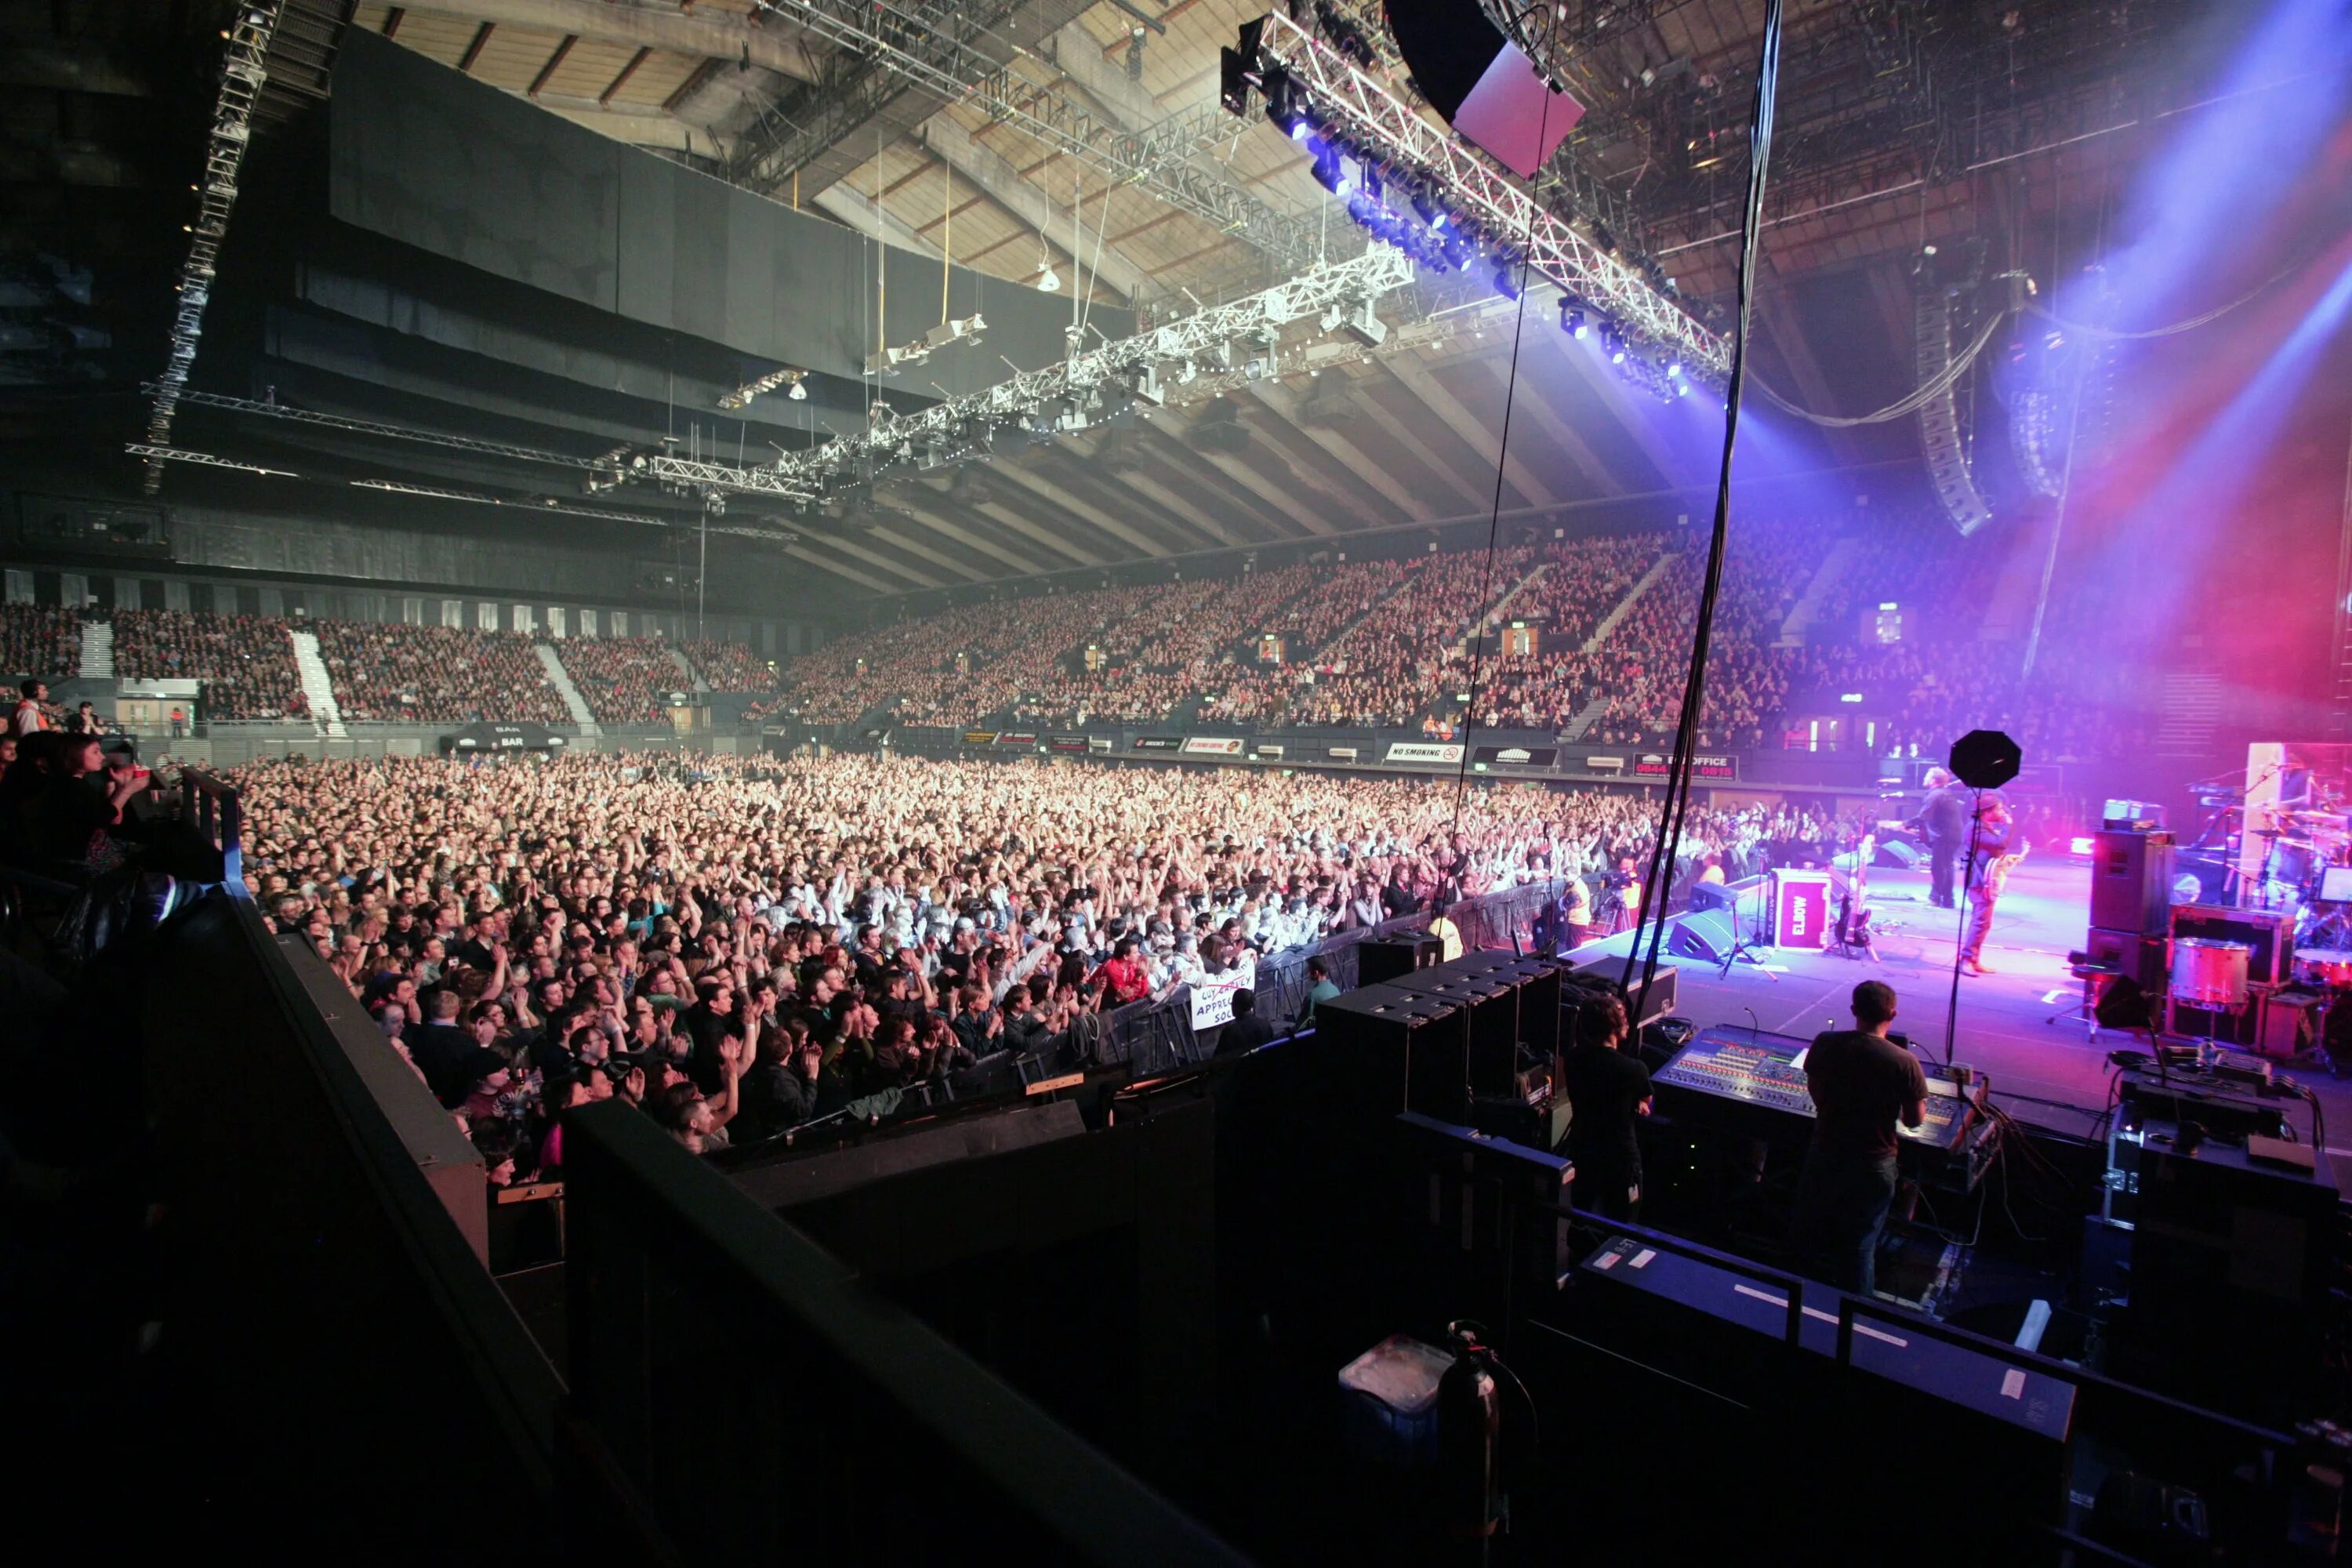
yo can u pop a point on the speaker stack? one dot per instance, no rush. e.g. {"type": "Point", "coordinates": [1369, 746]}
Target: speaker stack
{"type": "Point", "coordinates": [2131, 905]}
{"type": "Point", "coordinates": [1438, 1039]}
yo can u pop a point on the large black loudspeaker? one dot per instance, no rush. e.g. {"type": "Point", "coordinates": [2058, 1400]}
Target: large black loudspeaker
{"type": "Point", "coordinates": [1706, 935]}
{"type": "Point", "coordinates": [2131, 881]}
{"type": "Point", "coordinates": [2139, 959]}
{"type": "Point", "coordinates": [1393, 956]}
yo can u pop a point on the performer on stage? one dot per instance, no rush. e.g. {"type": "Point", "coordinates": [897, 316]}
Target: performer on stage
{"type": "Point", "coordinates": [1998, 848]}
{"type": "Point", "coordinates": [1943, 820]}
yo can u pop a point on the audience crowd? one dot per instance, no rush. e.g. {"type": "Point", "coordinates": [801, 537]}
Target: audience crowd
{"type": "Point", "coordinates": [247, 663]}
{"type": "Point", "coordinates": [728, 666]}
{"type": "Point", "coordinates": [40, 640]}
{"type": "Point", "coordinates": [623, 680]}
{"type": "Point", "coordinates": [1412, 643]}
{"type": "Point", "coordinates": [741, 944]}
{"type": "Point", "coordinates": [393, 673]}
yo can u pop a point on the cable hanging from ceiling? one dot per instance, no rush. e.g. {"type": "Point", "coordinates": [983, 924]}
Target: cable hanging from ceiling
{"type": "Point", "coordinates": [1659, 882]}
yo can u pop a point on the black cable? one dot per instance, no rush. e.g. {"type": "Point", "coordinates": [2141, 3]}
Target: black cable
{"type": "Point", "coordinates": [1495, 514]}
{"type": "Point", "coordinates": [1680, 769]}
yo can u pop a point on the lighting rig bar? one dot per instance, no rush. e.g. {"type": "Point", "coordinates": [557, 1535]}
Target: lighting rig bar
{"type": "Point", "coordinates": [243, 76]}
{"type": "Point", "coordinates": [908, 37]}
{"type": "Point", "coordinates": [370, 427]}
{"type": "Point", "coordinates": [1043, 402]}
{"type": "Point", "coordinates": [1343, 101]}
{"type": "Point", "coordinates": [565, 508]}
{"type": "Point", "coordinates": [158, 455]}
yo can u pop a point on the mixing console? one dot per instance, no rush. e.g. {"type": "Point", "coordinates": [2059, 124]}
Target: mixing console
{"type": "Point", "coordinates": [1760, 1070]}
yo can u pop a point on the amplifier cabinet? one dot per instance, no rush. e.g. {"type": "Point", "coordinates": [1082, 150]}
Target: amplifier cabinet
{"type": "Point", "coordinates": [2131, 880]}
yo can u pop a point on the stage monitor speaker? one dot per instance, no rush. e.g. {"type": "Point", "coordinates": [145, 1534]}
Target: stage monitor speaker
{"type": "Point", "coordinates": [2123, 1005]}
{"type": "Point", "coordinates": [2138, 959]}
{"type": "Point", "coordinates": [2270, 933]}
{"type": "Point", "coordinates": [2131, 881]}
{"type": "Point", "coordinates": [1390, 957]}
{"type": "Point", "coordinates": [1899, 853]}
{"type": "Point", "coordinates": [1705, 936]}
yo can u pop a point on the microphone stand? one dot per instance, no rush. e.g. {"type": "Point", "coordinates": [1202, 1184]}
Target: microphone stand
{"type": "Point", "coordinates": [1960, 944]}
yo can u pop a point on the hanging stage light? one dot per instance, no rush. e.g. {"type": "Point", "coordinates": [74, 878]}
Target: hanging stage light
{"type": "Point", "coordinates": [1571, 318]}
{"type": "Point", "coordinates": [1505, 284]}
{"type": "Point", "coordinates": [1049, 281]}
{"type": "Point", "coordinates": [1430, 213]}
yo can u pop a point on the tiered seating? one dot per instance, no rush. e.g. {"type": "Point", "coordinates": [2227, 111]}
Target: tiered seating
{"type": "Point", "coordinates": [728, 666]}
{"type": "Point", "coordinates": [42, 640]}
{"type": "Point", "coordinates": [247, 663]}
{"type": "Point", "coordinates": [623, 680]}
{"type": "Point", "coordinates": [1192, 637]}
{"type": "Point", "coordinates": [398, 674]}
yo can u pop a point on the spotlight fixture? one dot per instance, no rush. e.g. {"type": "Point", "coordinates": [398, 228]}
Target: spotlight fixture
{"type": "Point", "coordinates": [1675, 368]}
{"type": "Point", "coordinates": [1571, 318]}
{"type": "Point", "coordinates": [798, 394]}
{"type": "Point", "coordinates": [1430, 213]}
{"type": "Point", "coordinates": [742, 396]}
{"type": "Point", "coordinates": [1505, 284]}
{"type": "Point", "coordinates": [1049, 281]}
{"type": "Point", "coordinates": [1617, 354]}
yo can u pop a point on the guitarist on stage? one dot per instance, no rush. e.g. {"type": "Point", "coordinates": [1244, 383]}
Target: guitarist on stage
{"type": "Point", "coordinates": [1997, 847]}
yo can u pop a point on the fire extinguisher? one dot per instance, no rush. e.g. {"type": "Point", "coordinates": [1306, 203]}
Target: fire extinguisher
{"type": "Point", "coordinates": [1469, 1428]}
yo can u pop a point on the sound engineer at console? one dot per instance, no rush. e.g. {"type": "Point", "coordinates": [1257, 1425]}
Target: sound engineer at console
{"type": "Point", "coordinates": [1860, 1082]}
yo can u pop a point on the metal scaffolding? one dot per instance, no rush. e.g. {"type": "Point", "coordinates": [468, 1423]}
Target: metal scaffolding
{"type": "Point", "coordinates": [1491, 204]}
{"type": "Point", "coordinates": [1045, 402]}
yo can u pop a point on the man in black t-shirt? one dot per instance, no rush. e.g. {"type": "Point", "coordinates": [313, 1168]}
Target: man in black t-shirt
{"type": "Point", "coordinates": [1607, 1090]}
{"type": "Point", "coordinates": [1861, 1082]}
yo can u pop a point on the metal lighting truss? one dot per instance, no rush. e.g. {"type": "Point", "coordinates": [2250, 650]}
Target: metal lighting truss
{"type": "Point", "coordinates": [370, 427]}
{"type": "Point", "coordinates": [1360, 111]}
{"type": "Point", "coordinates": [565, 508]}
{"type": "Point", "coordinates": [243, 76]}
{"type": "Point", "coordinates": [1341, 293]}
{"type": "Point", "coordinates": [158, 455]}
{"type": "Point", "coordinates": [799, 127]}
{"type": "Point", "coordinates": [1578, 187]}
{"type": "Point", "coordinates": [907, 37]}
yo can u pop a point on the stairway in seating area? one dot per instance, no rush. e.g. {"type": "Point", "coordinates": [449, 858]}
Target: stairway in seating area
{"type": "Point", "coordinates": [325, 713]}
{"type": "Point", "coordinates": [693, 682]}
{"type": "Point", "coordinates": [1808, 605]}
{"type": "Point", "coordinates": [560, 679]}
{"type": "Point", "coordinates": [97, 651]}
{"type": "Point", "coordinates": [1658, 568]}
{"type": "Point", "coordinates": [1586, 716]}
{"type": "Point", "coordinates": [2191, 710]}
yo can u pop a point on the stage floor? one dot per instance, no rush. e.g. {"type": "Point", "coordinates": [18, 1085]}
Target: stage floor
{"type": "Point", "coordinates": [2051, 1074]}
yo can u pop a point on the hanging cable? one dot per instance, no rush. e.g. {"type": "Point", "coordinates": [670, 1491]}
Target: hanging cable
{"type": "Point", "coordinates": [1909, 403]}
{"type": "Point", "coordinates": [1659, 882]}
{"type": "Point", "coordinates": [1495, 513]}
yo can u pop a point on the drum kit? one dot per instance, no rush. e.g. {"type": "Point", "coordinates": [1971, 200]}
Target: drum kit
{"type": "Point", "coordinates": [2306, 876]}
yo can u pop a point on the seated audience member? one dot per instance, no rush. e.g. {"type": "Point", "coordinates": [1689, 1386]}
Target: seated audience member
{"type": "Point", "coordinates": [1247, 1031]}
